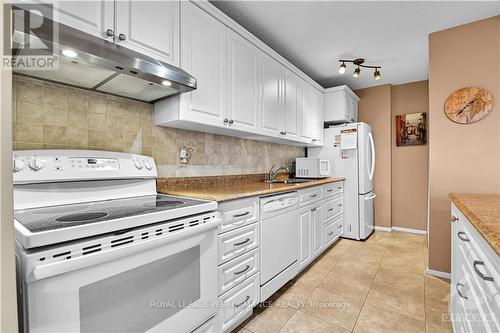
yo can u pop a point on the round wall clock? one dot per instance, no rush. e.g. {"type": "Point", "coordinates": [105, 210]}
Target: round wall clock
{"type": "Point", "coordinates": [468, 105]}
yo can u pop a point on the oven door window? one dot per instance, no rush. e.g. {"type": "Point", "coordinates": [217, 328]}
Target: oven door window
{"type": "Point", "coordinates": [141, 298]}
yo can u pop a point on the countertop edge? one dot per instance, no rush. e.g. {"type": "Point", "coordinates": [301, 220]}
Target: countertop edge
{"type": "Point", "coordinates": [242, 195]}
{"type": "Point", "coordinates": [475, 220]}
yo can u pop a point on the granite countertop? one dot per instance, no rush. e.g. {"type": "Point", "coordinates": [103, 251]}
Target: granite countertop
{"type": "Point", "coordinates": [483, 212]}
{"type": "Point", "coordinates": [235, 190]}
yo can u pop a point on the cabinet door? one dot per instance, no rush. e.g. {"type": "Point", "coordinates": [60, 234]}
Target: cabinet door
{"type": "Point", "coordinates": [291, 116]}
{"type": "Point", "coordinates": [306, 112]}
{"type": "Point", "coordinates": [317, 231]}
{"type": "Point", "coordinates": [305, 248]}
{"type": "Point", "coordinates": [92, 17]}
{"type": "Point", "coordinates": [203, 55]}
{"type": "Point", "coordinates": [354, 110]}
{"type": "Point", "coordinates": [242, 83]}
{"type": "Point", "coordinates": [317, 117]}
{"type": "Point", "coordinates": [149, 27]}
{"type": "Point", "coordinates": [271, 118]}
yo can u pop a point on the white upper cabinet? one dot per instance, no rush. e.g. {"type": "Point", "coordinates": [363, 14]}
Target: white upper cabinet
{"type": "Point", "coordinates": [271, 116]}
{"type": "Point", "coordinates": [243, 60]}
{"type": "Point", "coordinates": [203, 55]}
{"type": "Point", "coordinates": [317, 117]}
{"type": "Point", "coordinates": [149, 27]}
{"type": "Point", "coordinates": [93, 17]}
{"type": "Point", "coordinates": [306, 113]}
{"type": "Point", "coordinates": [291, 106]}
{"type": "Point", "coordinates": [341, 105]}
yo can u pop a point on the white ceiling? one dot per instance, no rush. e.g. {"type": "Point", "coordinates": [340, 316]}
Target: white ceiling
{"type": "Point", "coordinates": [313, 35]}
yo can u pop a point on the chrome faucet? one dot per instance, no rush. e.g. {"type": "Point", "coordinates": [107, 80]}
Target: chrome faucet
{"type": "Point", "coordinates": [273, 173]}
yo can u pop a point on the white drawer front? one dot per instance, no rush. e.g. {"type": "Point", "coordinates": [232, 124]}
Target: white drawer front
{"type": "Point", "coordinates": [237, 242]}
{"type": "Point", "coordinates": [238, 213]}
{"type": "Point", "coordinates": [332, 231]}
{"type": "Point", "coordinates": [332, 189]}
{"type": "Point", "coordinates": [237, 270]}
{"type": "Point", "coordinates": [238, 302]}
{"type": "Point", "coordinates": [309, 195]}
{"type": "Point", "coordinates": [334, 207]}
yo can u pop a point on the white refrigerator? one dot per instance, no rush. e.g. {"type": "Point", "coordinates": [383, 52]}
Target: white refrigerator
{"type": "Point", "coordinates": [351, 150]}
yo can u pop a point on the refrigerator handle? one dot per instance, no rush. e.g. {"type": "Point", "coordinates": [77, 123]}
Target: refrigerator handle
{"type": "Point", "coordinates": [371, 198]}
{"type": "Point", "coordinates": [372, 146]}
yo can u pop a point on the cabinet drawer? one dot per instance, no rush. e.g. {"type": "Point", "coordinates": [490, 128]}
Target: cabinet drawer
{"type": "Point", "coordinates": [238, 302]}
{"type": "Point", "coordinates": [238, 213]}
{"type": "Point", "coordinates": [237, 242]}
{"type": "Point", "coordinates": [309, 195]}
{"type": "Point", "coordinates": [332, 231]}
{"type": "Point", "coordinates": [329, 190]}
{"type": "Point", "coordinates": [333, 207]}
{"type": "Point", "coordinates": [237, 270]}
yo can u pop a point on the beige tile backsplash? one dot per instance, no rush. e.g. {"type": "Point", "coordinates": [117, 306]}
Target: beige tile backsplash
{"type": "Point", "coordinates": [54, 116]}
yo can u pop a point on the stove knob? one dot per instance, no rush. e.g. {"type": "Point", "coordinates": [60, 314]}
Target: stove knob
{"type": "Point", "coordinates": [148, 165]}
{"type": "Point", "coordinates": [138, 164]}
{"type": "Point", "coordinates": [17, 164]}
{"type": "Point", "coordinates": [36, 164]}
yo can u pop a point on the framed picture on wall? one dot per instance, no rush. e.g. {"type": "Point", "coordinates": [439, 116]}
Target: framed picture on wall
{"type": "Point", "coordinates": [411, 129]}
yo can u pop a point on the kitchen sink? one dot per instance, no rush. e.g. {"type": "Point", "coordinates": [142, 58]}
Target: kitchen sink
{"type": "Point", "coordinates": [289, 181]}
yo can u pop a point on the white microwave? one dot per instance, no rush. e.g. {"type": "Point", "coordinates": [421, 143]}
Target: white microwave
{"type": "Point", "coordinates": [312, 167]}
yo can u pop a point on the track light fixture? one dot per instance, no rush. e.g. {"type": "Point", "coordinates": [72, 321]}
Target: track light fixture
{"type": "Point", "coordinates": [342, 68]}
{"type": "Point", "coordinates": [359, 63]}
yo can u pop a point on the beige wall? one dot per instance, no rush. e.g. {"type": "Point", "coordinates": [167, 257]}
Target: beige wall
{"type": "Point", "coordinates": [462, 158]}
{"type": "Point", "coordinates": [375, 109]}
{"type": "Point", "coordinates": [48, 115]}
{"type": "Point", "coordinates": [410, 164]}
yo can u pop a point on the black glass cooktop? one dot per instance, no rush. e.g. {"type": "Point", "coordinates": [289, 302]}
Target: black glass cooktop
{"type": "Point", "coordinates": [56, 217]}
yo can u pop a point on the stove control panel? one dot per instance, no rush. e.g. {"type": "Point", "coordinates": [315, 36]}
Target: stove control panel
{"type": "Point", "coordinates": [31, 166]}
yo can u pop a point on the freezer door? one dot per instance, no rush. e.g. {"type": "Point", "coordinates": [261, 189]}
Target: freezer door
{"type": "Point", "coordinates": [366, 158]}
{"type": "Point", "coordinates": [366, 214]}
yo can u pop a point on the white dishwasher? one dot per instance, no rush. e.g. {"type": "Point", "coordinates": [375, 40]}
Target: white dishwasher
{"type": "Point", "coordinates": [279, 242]}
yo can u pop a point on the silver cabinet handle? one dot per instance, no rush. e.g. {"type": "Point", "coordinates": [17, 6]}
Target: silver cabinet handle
{"type": "Point", "coordinates": [478, 272]}
{"type": "Point", "coordinates": [330, 190]}
{"type": "Point", "coordinates": [458, 290]}
{"type": "Point", "coordinates": [241, 243]}
{"type": "Point", "coordinates": [330, 233]}
{"type": "Point", "coordinates": [339, 205]}
{"type": "Point", "coordinates": [453, 218]}
{"type": "Point", "coordinates": [242, 271]}
{"type": "Point", "coordinates": [330, 209]}
{"type": "Point", "coordinates": [313, 209]}
{"type": "Point", "coordinates": [235, 216]}
{"type": "Point", "coordinates": [461, 235]}
{"type": "Point", "coordinates": [339, 227]}
{"type": "Point", "coordinates": [122, 37]}
{"type": "Point", "coordinates": [231, 121]}
{"type": "Point", "coordinates": [238, 305]}
{"type": "Point", "coordinates": [284, 133]}
{"type": "Point", "coordinates": [225, 121]}
{"type": "Point", "coordinates": [110, 33]}
{"type": "Point", "coordinates": [313, 196]}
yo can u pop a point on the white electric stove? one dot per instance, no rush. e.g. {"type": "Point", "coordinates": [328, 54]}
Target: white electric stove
{"type": "Point", "coordinates": [99, 250]}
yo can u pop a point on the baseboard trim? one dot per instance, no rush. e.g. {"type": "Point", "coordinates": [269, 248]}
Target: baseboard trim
{"type": "Point", "coordinates": [412, 231]}
{"type": "Point", "coordinates": [439, 274]}
{"type": "Point", "coordinates": [387, 229]}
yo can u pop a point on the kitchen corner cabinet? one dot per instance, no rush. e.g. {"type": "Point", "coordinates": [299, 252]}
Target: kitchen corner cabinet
{"type": "Point", "coordinates": [341, 105]}
{"type": "Point", "coordinates": [147, 27]}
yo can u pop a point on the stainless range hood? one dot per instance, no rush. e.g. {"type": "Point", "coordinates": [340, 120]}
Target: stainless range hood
{"type": "Point", "coordinates": [101, 65]}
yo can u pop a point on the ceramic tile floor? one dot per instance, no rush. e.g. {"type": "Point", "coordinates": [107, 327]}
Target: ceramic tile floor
{"type": "Point", "coordinates": [378, 285]}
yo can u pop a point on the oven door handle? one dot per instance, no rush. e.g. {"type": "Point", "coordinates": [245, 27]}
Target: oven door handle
{"type": "Point", "coordinates": [65, 266]}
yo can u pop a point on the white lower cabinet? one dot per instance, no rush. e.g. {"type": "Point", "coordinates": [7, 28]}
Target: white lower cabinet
{"type": "Point", "coordinates": [237, 304]}
{"type": "Point", "coordinates": [239, 264]}
{"type": "Point", "coordinates": [475, 279]}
